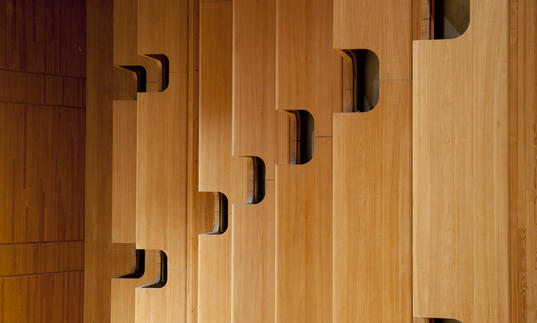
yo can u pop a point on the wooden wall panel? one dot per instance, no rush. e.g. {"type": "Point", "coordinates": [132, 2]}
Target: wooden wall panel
{"type": "Point", "coordinates": [522, 159]}
{"type": "Point", "coordinates": [372, 174]}
{"type": "Point", "coordinates": [103, 260]}
{"type": "Point", "coordinates": [42, 158]}
{"type": "Point", "coordinates": [303, 238]}
{"type": "Point", "coordinates": [309, 77]}
{"type": "Point", "coordinates": [460, 171]}
{"type": "Point", "coordinates": [309, 69]}
{"type": "Point", "coordinates": [253, 263]}
{"type": "Point", "coordinates": [218, 170]}
{"type": "Point", "coordinates": [258, 130]}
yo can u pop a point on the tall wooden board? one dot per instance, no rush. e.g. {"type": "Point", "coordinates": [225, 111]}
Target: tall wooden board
{"type": "Point", "coordinates": [372, 160]}
{"type": "Point", "coordinates": [218, 170]}
{"type": "Point", "coordinates": [460, 171]}
{"type": "Point", "coordinates": [309, 77]}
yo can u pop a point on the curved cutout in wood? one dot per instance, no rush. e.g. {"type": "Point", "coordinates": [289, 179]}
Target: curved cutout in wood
{"type": "Point", "coordinates": [141, 76]}
{"type": "Point", "coordinates": [301, 134]}
{"type": "Point", "coordinates": [256, 180]}
{"type": "Point", "coordinates": [363, 73]}
{"type": "Point", "coordinates": [139, 267]}
{"type": "Point", "coordinates": [220, 213]}
{"type": "Point", "coordinates": [162, 279]}
{"type": "Point", "coordinates": [445, 19]}
{"type": "Point", "coordinates": [165, 67]}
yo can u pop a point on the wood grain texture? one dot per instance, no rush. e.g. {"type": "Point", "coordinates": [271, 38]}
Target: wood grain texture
{"type": "Point", "coordinates": [254, 85]}
{"type": "Point", "coordinates": [103, 260]}
{"type": "Point", "coordinates": [163, 29]}
{"type": "Point", "coordinates": [460, 171]}
{"type": "Point", "coordinates": [303, 238]}
{"type": "Point", "coordinates": [309, 77]}
{"type": "Point", "coordinates": [126, 41]}
{"type": "Point", "coordinates": [371, 205]}
{"type": "Point", "coordinates": [219, 171]}
{"type": "Point", "coordinates": [253, 261]}
{"type": "Point", "coordinates": [384, 27]}
{"type": "Point", "coordinates": [372, 172]}
{"type": "Point", "coordinates": [308, 69]}
{"type": "Point", "coordinates": [124, 172]}
{"type": "Point", "coordinates": [522, 159]}
{"type": "Point", "coordinates": [42, 127]}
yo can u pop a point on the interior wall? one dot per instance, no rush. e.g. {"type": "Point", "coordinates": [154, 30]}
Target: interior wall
{"type": "Point", "coordinates": [42, 156]}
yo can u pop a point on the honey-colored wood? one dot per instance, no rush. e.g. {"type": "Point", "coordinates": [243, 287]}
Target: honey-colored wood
{"type": "Point", "coordinates": [40, 258]}
{"type": "Point", "coordinates": [371, 205]}
{"type": "Point", "coordinates": [258, 130]}
{"type": "Point", "coordinates": [103, 260]}
{"type": "Point", "coordinates": [309, 77]}
{"type": "Point", "coordinates": [522, 159]}
{"type": "Point", "coordinates": [309, 70]}
{"type": "Point", "coordinates": [372, 172]}
{"type": "Point", "coordinates": [253, 263]}
{"type": "Point", "coordinates": [124, 172]}
{"type": "Point", "coordinates": [303, 238]}
{"type": "Point", "coordinates": [125, 43]}
{"type": "Point", "coordinates": [218, 170]}
{"type": "Point", "coordinates": [460, 171]}
{"type": "Point", "coordinates": [384, 27]}
{"type": "Point", "coordinates": [42, 125]}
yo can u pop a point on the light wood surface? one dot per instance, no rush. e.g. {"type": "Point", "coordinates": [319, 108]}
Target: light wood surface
{"type": "Point", "coordinates": [218, 170]}
{"type": "Point", "coordinates": [460, 171]}
{"type": "Point", "coordinates": [258, 130]}
{"type": "Point", "coordinates": [372, 224]}
{"type": "Point", "coordinates": [372, 172]}
{"type": "Point", "coordinates": [253, 263]}
{"type": "Point", "coordinates": [522, 159]}
{"type": "Point", "coordinates": [384, 27]}
{"type": "Point", "coordinates": [42, 126]}
{"type": "Point", "coordinates": [303, 238]}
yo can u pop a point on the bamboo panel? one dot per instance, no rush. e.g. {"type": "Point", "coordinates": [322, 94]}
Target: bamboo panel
{"type": "Point", "coordinates": [303, 238]}
{"type": "Point", "coordinates": [460, 171]}
{"type": "Point", "coordinates": [522, 157]}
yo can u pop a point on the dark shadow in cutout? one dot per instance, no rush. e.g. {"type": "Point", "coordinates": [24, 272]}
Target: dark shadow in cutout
{"type": "Point", "coordinates": [301, 137]}
{"type": "Point", "coordinates": [365, 79]}
{"type": "Point", "coordinates": [165, 66]}
{"type": "Point", "coordinates": [163, 276]}
{"type": "Point", "coordinates": [450, 18]}
{"type": "Point", "coordinates": [256, 180]}
{"type": "Point", "coordinates": [220, 214]}
{"type": "Point", "coordinates": [139, 267]}
{"type": "Point", "coordinates": [430, 320]}
{"type": "Point", "coordinates": [141, 76]}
